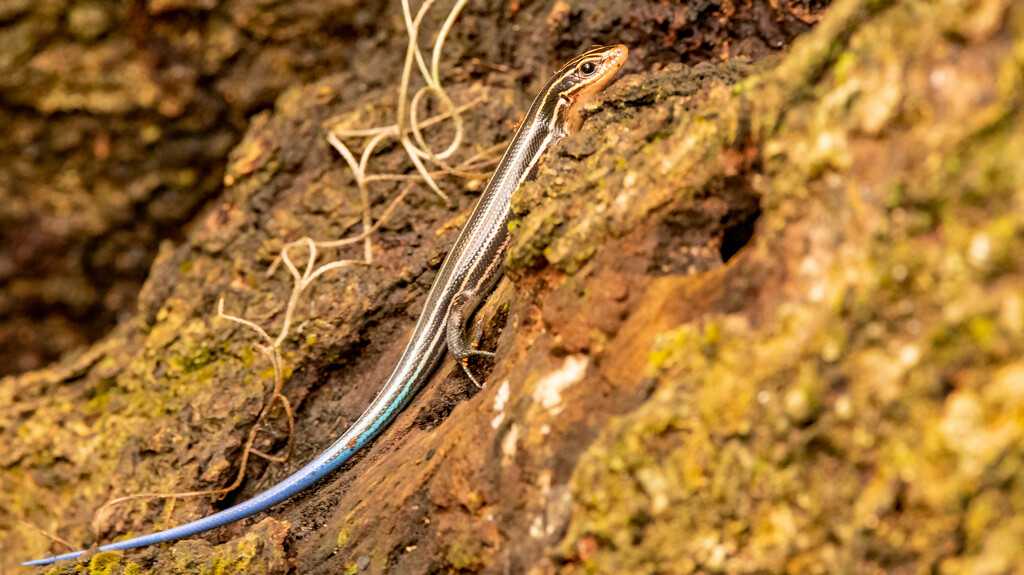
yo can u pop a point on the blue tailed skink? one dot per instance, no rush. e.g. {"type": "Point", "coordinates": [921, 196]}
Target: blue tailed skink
{"type": "Point", "coordinates": [468, 274]}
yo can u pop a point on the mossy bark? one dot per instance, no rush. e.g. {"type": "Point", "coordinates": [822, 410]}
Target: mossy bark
{"type": "Point", "coordinates": [116, 118]}
{"type": "Point", "coordinates": [761, 320]}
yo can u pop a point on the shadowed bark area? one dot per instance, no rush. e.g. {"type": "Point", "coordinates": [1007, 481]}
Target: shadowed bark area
{"type": "Point", "coordinates": [117, 118]}
{"type": "Point", "coordinates": [758, 319]}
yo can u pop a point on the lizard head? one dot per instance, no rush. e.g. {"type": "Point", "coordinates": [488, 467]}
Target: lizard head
{"type": "Point", "coordinates": [584, 77]}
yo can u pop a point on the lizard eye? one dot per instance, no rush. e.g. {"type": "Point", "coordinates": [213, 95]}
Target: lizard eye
{"type": "Point", "coordinates": [588, 68]}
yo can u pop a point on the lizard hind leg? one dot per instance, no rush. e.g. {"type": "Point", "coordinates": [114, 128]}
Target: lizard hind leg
{"type": "Point", "coordinates": [462, 307]}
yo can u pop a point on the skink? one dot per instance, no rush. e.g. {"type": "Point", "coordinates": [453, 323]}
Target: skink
{"type": "Point", "coordinates": [468, 274]}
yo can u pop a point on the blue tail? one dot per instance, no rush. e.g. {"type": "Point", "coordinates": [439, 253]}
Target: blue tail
{"type": "Point", "coordinates": [339, 453]}
{"type": "Point", "coordinates": [407, 378]}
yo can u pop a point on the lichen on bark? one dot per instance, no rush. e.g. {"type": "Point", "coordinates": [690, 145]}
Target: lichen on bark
{"type": "Point", "coordinates": [861, 413]}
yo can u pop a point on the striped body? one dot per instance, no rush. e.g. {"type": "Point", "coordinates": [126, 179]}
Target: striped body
{"type": "Point", "coordinates": [473, 266]}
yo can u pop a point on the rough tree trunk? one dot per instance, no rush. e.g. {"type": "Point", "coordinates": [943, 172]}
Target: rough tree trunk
{"type": "Point", "coordinates": [758, 318]}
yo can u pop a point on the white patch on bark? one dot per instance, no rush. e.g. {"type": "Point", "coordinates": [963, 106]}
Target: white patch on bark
{"type": "Point", "coordinates": [500, 402]}
{"type": "Point", "coordinates": [548, 392]}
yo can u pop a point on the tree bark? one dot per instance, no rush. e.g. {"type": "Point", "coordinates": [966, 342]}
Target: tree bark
{"type": "Point", "coordinates": [758, 318]}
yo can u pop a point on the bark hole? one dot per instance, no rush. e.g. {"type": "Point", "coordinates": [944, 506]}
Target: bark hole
{"type": "Point", "coordinates": [708, 230]}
